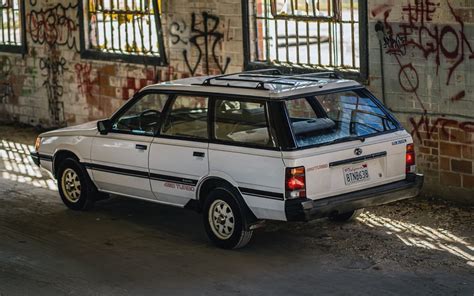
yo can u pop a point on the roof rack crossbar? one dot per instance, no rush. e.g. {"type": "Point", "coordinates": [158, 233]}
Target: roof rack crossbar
{"type": "Point", "coordinates": [251, 80]}
{"type": "Point", "coordinates": [207, 81]}
{"type": "Point", "coordinates": [292, 77]}
{"type": "Point", "coordinates": [327, 74]}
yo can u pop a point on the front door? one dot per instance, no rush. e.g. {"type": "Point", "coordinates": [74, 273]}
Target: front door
{"type": "Point", "coordinates": [120, 158]}
{"type": "Point", "coordinates": [179, 154]}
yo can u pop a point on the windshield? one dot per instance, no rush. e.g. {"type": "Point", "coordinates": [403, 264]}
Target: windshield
{"type": "Point", "coordinates": [336, 117]}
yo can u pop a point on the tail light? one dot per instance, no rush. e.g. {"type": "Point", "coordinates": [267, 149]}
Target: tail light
{"type": "Point", "coordinates": [295, 182]}
{"type": "Point", "coordinates": [410, 159]}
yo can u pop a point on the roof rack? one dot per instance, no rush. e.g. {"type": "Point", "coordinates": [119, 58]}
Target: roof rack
{"type": "Point", "coordinates": [277, 78]}
{"type": "Point", "coordinates": [207, 81]}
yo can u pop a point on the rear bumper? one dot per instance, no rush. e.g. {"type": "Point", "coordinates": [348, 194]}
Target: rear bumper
{"type": "Point", "coordinates": [307, 209]}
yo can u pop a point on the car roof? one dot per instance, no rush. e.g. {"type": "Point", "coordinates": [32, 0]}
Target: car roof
{"type": "Point", "coordinates": [267, 83]}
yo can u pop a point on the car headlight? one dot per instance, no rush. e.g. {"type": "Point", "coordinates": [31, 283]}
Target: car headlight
{"type": "Point", "coordinates": [37, 144]}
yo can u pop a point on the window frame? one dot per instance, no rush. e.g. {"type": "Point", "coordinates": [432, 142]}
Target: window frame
{"type": "Point", "coordinates": [21, 48]}
{"type": "Point", "coordinates": [363, 91]}
{"type": "Point", "coordinates": [89, 53]}
{"type": "Point", "coordinates": [135, 99]}
{"type": "Point", "coordinates": [167, 111]}
{"type": "Point", "coordinates": [271, 130]}
{"type": "Point", "coordinates": [249, 64]}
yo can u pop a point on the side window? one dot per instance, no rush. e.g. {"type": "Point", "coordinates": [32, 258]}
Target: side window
{"type": "Point", "coordinates": [143, 117]}
{"type": "Point", "coordinates": [242, 122]}
{"type": "Point", "coordinates": [187, 118]}
{"type": "Point", "coordinates": [300, 109]}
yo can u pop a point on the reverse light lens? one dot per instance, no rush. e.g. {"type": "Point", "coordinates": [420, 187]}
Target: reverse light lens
{"type": "Point", "coordinates": [37, 144]}
{"type": "Point", "coordinates": [295, 182]}
{"type": "Point", "coordinates": [410, 159]}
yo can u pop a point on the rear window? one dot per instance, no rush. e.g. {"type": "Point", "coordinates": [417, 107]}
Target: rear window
{"type": "Point", "coordinates": [336, 117]}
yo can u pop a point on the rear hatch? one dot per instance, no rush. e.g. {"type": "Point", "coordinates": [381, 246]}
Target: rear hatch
{"type": "Point", "coordinates": [346, 141]}
{"type": "Point", "coordinates": [353, 165]}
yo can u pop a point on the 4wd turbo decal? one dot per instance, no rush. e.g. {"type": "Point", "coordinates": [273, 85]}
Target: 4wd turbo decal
{"type": "Point", "coordinates": [179, 186]}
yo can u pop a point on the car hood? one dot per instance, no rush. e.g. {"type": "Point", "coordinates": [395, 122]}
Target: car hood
{"type": "Point", "coordinates": [85, 129]}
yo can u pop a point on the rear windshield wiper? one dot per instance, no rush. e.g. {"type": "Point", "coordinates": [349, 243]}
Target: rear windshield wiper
{"type": "Point", "coordinates": [347, 139]}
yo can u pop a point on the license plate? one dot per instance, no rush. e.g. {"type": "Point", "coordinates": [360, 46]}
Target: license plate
{"type": "Point", "coordinates": [356, 174]}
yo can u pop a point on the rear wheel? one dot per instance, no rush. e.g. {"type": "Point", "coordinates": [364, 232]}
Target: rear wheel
{"type": "Point", "coordinates": [224, 221]}
{"type": "Point", "coordinates": [347, 217]}
{"type": "Point", "coordinates": [75, 188]}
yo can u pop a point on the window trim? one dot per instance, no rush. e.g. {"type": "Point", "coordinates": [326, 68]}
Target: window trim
{"type": "Point", "coordinates": [358, 91]}
{"type": "Point", "coordinates": [272, 135]}
{"type": "Point", "coordinates": [361, 75]}
{"type": "Point", "coordinates": [167, 110]}
{"type": "Point", "coordinates": [22, 48]}
{"type": "Point", "coordinates": [130, 104]}
{"type": "Point", "coordinates": [88, 53]}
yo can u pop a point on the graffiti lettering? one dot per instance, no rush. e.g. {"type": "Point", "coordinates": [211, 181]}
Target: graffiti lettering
{"type": "Point", "coordinates": [54, 26]}
{"type": "Point", "coordinates": [441, 125]}
{"type": "Point", "coordinates": [205, 38]}
{"type": "Point", "coordinates": [52, 68]}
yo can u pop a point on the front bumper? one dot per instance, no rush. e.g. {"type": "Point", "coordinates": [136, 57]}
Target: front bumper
{"type": "Point", "coordinates": [36, 158]}
{"type": "Point", "coordinates": [307, 209]}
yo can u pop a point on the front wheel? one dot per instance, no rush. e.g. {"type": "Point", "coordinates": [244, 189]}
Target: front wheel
{"type": "Point", "coordinates": [75, 188]}
{"type": "Point", "coordinates": [224, 221]}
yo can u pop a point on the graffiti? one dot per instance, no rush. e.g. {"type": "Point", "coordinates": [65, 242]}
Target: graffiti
{"type": "Point", "coordinates": [6, 89]}
{"type": "Point", "coordinates": [54, 26]}
{"type": "Point", "coordinates": [458, 96]}
{"type": "Point", "coordinates": [177, 30]}
{"type": "Point", "coordinates": [448, 42]}
{"type": "Point", "coordinates": [52, 68]}
{"type": "Point", "coordinates": [439, 125]}
{"type": "Point", "coordinates": [85, 83]}
{"type": "Point", "coordinates": [395, 45]}
{"type": "Point", "coordinates": [205, 38]}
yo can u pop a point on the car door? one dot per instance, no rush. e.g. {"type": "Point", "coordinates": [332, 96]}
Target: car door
{"type": "Point", "coordinates": [120, 158]}
{"type": "Point", "coordinates": [179, 154]}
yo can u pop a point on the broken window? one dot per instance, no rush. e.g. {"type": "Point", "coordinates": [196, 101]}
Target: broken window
{"type": "Point", "coordinates": [325, 34]}
{"type": "Point", "coordinates": [11, 24]}
{"type": "Point", "coordinates": [129, 30]}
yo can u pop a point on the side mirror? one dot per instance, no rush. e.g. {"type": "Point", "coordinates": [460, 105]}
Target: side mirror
{"type": "Point", "coordinates": [104, 126]}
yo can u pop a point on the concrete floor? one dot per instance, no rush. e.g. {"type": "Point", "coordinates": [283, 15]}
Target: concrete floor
{"type": "Point", "coordinates": [128, 247]}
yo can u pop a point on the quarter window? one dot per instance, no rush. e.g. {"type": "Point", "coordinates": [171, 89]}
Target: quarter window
{"type": "Point", "coordinates": [242, 122]}
{"type": "Point", "coordinates": [187, 118]}
{"type": "Point", "coordinates": [142, 118]}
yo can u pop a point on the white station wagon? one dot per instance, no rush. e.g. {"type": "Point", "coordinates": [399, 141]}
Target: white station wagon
{"type": "Point", "coordinates": [240, 148]}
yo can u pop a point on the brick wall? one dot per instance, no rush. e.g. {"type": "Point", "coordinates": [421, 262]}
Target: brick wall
{"type": "Point", "coordinates": [52, 86]}
{"type": "Point", "coordinates": [427, 54]}
{"type": "Point", "coordinates": [428, 58]}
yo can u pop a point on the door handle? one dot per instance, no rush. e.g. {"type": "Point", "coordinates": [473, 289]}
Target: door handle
{"type": "Point", "coordinates": [140, 147]}
{"type": "Point", "coordinates": [198, 154]}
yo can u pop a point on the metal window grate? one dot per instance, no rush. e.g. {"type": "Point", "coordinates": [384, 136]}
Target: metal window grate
{"type": "Point", "coordinates": [10, 23]}
{"type": "Point", "coordinates": [125, 27]}
{"type": "Point", "coordinates": [309, 33]}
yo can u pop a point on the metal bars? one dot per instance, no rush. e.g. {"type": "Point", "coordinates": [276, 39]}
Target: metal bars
{"type": "Point", "coordinates": [10, 23]}
{"type": "Point", "coordinates": [125, 27]}
{"type": "Point", "coordinates": [308, 33]}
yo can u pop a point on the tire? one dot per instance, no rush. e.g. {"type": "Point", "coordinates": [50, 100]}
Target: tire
{"type": "Point", "coordinates": [223, 220]}
{"type": "Point", "coordinates": [75, 187]}
{"type": "Point", "coordinates": [347, 217]}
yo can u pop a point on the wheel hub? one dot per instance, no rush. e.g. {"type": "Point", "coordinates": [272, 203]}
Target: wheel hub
{"type": "Point", "coordinates": [221, 219]}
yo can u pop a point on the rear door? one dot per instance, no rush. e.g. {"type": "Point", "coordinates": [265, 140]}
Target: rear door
{"type": "Point", "coordinates": [179, 154]}
{"type": "Point", "coordinates": [347, 143]}
{"type": "Point", "coordinates": [244, 149]}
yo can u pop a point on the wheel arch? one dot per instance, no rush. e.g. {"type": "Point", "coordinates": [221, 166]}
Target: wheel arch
{"type": "Point", "coordinates": [212, 182]}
